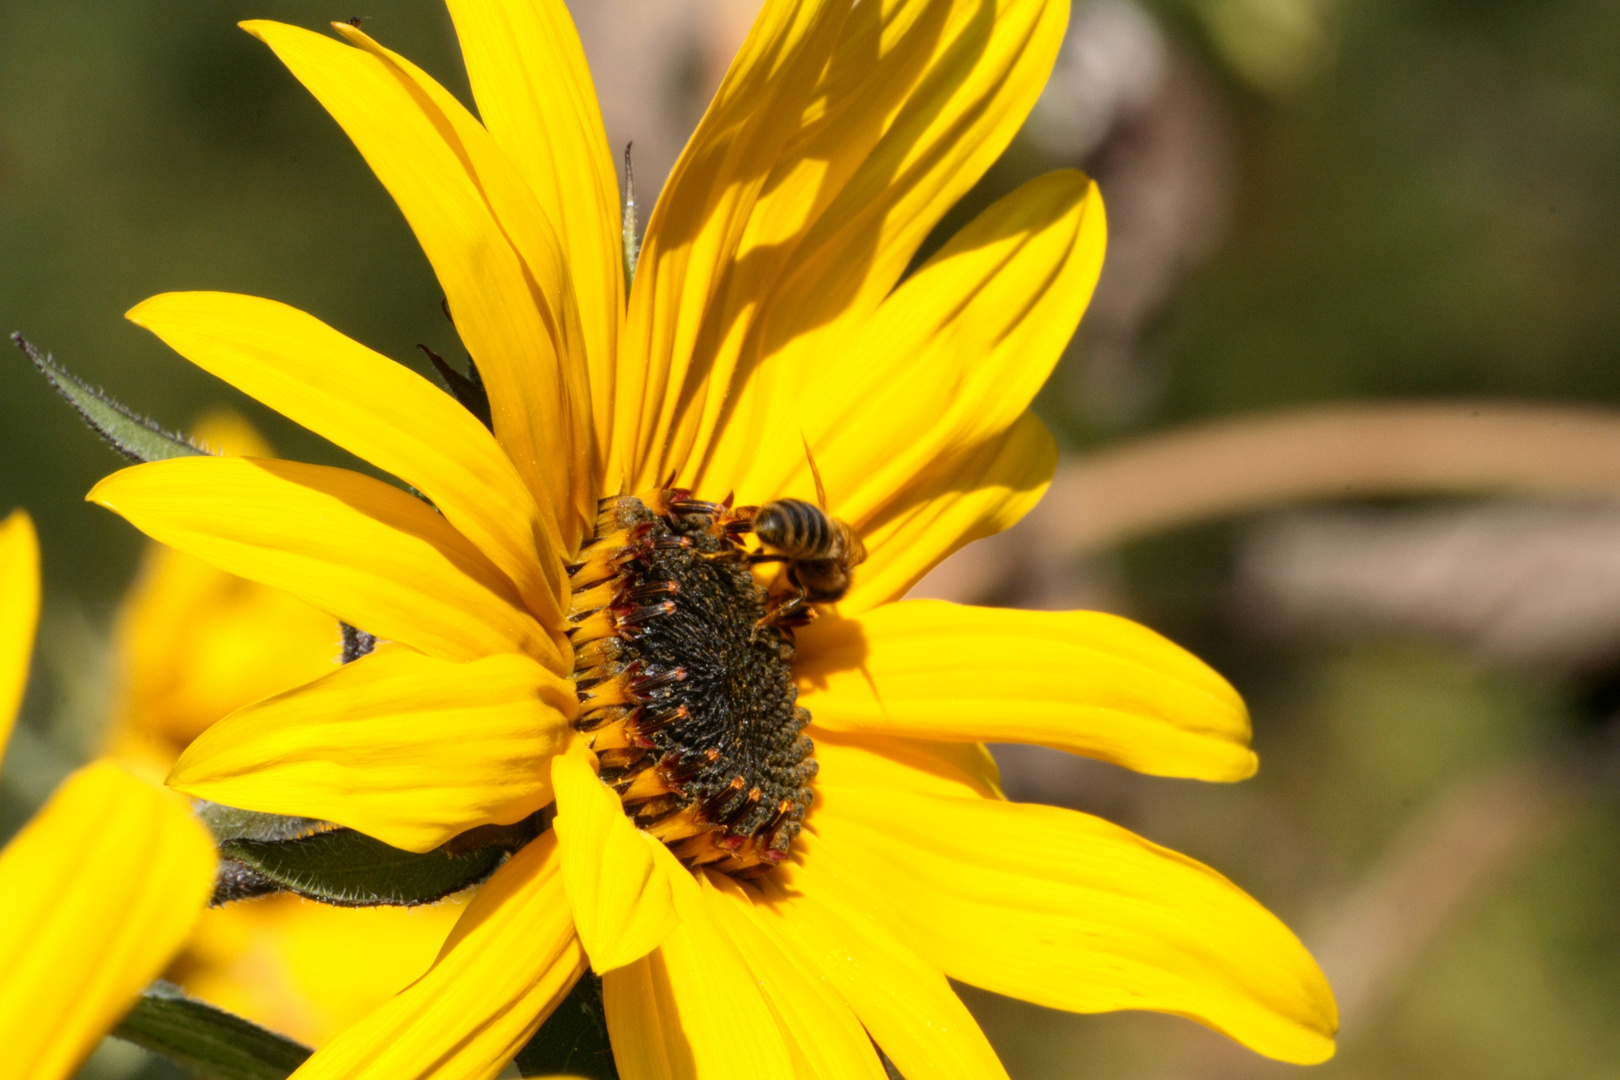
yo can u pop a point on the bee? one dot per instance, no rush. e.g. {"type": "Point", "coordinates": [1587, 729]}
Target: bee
{"type": "Point", "coordinates": [819, 550]}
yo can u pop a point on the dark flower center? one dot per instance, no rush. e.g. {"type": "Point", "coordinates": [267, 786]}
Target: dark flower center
{"type": "Point", "coordinates": [685, 684]}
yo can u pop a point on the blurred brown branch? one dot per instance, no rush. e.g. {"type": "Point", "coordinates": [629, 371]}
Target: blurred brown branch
{"type": "Point", "coordinates": [1176, 478]}
{"type": "Point", "coordinates": [1227, 467]}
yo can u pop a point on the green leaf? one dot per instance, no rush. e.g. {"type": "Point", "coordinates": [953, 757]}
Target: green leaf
{"type": "Point", "coordinates": [131, 434]}
{"type": "Point", "coordinates": [211, 1042]}
{"type": "Point", "coordinates": [236, 880]}
{"type": "Point", "coordinates": [574, 1040]}
{"type": "Point", "coordinates": [349, 869]}
{"type": "Point", "coordinates": [229, 823]}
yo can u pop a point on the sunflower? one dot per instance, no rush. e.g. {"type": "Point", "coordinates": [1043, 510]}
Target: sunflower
{"type": "Point", "coordinates": [192, 643]}
{"type": "Point", "coordinates": [634, 603]}
{"type": "Point", "coordinates": [98, 891]}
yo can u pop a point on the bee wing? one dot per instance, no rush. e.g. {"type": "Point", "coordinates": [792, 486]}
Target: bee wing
{"type": "Point", "coordinates": [815, 473]}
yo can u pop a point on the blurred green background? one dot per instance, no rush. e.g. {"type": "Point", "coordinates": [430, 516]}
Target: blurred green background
{"type": "Point", "coordinates": [1417, 199]}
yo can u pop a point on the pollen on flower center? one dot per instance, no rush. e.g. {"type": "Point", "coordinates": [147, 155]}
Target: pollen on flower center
{"type": "Point", "coordinates": [686, 693]}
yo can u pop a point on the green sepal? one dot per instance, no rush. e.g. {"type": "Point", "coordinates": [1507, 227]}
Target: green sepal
{"type": "Point", "coordinates": [574, 1039]}
{"type": "Point", "coordinates": [229, 823]}
{"type": "Point", "coordinates": [126, 431]}
{"type": "Point", "coordinates": [350, 869]}
{"type": "Point", "coordinates": [356, 643]}
{"type": "Point", "coordinates": [629, 234]}
{"type": "Point", "coordinates": [467, 389]}
{"type": "Point", "coordinates": [211, 1042]}
{"type": "Point", "coordinates": [238, 880]}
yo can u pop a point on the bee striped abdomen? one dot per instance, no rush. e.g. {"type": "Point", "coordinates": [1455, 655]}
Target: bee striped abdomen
{"type": "Point", "coordinates": [798, 528]}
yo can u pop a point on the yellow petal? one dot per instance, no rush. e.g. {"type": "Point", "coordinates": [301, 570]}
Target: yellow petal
{"type": "Point", "coordinates": [950, 504]}
{"type": "Point", "coordinates": [1080, 681]}
{"type": "Point", "coordinates": [676, 326]}
{"type": "Point", "coordinates": [961, 769]}
{"type": "Point", "coordinates": [644, 1024]}
{"type": "Point", "coordinates": [534, 236]}
{"type": "Point", "coordinates": [915, 103]}
{"type": "Point", "coordinates": [691, 1009]}
{"type": "Point", "coordinates": [918, 421]}
{"type": "Point", "coordinates": [618, 877]}
{"type": "Point", "coordinates": [831, 150]}
{"type": "Point", "coordinates": [846, 935]}
{"type": "Point", "coordinates": [1068, 911]}
{"type": "Point", "coordinates": [376, 409]}
{"type": "Point", "coordinates": [363, 551]}
{"type": "Point", "coordinates": [534, 91]}
{"type": "Point", "coordinates": [310, 970]}
{"type": "Point", "coordinates": [920, 99]}
{"type": "Point", "coordinates": [949, 361]}
{"type": "Point", "coordinates": [515, 332]}
{"type": "Point", "coordinates": [19, 612]}
{"type": "Point", "coordinates": [193, 643]}
{"type": "Point", "coordinates": [96, 895]}
{"type": "Point", "coordinates": [821, 1032]}
{"type": "Point", "coordinates": [401, 746]}
{"type": "Point", "coordinates": [223, 431]}
{"type": "Point", "coordinates": [511, 958]}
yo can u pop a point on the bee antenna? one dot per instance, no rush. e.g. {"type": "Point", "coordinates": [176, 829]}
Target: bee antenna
{"type": "Point", "coordinates": [815, 473]}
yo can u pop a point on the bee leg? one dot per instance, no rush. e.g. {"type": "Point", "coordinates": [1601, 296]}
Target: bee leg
{"type": "Point", "coordinates": [688, 505]}
{"type": "Point", "coordinates": [801, 616]}
{"type": "Point", "coordinates": [785, 612]}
